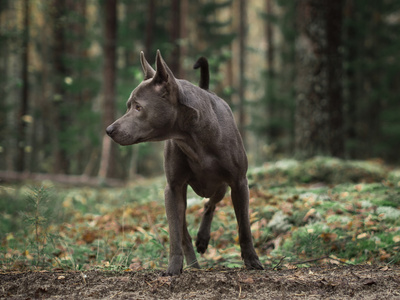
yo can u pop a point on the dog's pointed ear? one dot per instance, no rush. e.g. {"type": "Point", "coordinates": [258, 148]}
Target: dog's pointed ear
{"type": "Point", "coordinates": [148, 71]}
{"type": "Point", "coordinates": [163, 73]}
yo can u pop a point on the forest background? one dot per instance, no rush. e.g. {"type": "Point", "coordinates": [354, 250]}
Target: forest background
{"type": "Point", "coordinates": [303, 78]}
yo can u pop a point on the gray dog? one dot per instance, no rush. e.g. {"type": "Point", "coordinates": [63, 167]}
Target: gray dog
{"type": "Point", "coordinates": [203, 149]}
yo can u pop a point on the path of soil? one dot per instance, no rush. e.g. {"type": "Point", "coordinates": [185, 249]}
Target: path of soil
{"type": "Point", "coordinates": [327, 282]}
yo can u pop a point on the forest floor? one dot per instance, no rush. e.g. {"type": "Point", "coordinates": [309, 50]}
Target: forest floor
{"type": "Point", "coordinates": [323, 229]}
{"type": "Point", "coordinates": [323, 282]}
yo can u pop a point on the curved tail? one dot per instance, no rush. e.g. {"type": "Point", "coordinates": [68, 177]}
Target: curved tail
{"type": "Point", "coordinates": [202, 63]}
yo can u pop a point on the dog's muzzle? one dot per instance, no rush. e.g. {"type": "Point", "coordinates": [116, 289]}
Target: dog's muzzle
{"type": "Point", "coordinates": [110, 130]}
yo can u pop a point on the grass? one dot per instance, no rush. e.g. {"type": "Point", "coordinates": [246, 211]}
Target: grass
{"type": "Point", "coordinates": [347, 212]}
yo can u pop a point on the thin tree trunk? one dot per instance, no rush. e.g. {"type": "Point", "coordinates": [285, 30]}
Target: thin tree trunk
{"type": "Point", "coordinates": [109, 78]}
{"type": "Point", "coordinates": [183, 34]}
{"type": "Point", "coordinates": [175, 36]}
{"type": "Point", "coordinates": [352, 95]}
{"type": "Point", "coordinates": [150, 24]}
{"type": "Point", "coordinates": [242, 66]}
{"type": "Point", "coordinates": [60, 115]}
{"type": "Point", "coordinates": [270, 98]}
{"type": "Point", "coordinates": [23, 110]}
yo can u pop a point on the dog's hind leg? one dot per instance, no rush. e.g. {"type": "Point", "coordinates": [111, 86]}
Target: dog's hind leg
{"type": "Point", "coordinates": [203, 236]}
{"type": "Point", "coordinates": [240, 199]}
{"type": "Point", "coordinates": [190, 256]}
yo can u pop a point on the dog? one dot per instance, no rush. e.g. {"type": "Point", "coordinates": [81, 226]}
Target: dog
{"type": "Point", "coordinates": [203, 149]}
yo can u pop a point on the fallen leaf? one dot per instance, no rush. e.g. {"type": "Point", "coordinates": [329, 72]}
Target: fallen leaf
{"type": "Point", "coordinates": [164, 280]}
{"type": "Point", "coordinates": [362, 235]}
{"type": "Point", "coordinates": [136, 266]}
{"type": "Point", "coordinates": [28, 255]}
{"type": "Point", "coordinates": [396, 238]}
{"type": "Point", "coordinates": [247, 280]}
{"type": "Point", "coordinates": [309, 214]}
{"type": "Point", "coordinates": [358, 187]}
{"type": "Point", "coordinates": [89, 237]}
{"type": "Point", "coordinates": [328, 283]}
{"type": "Point", "coordinates": [369, 282]}
{"type": "Point", "coordinates": [329, 236]}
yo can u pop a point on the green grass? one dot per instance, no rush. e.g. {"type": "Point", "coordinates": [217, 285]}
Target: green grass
{"type": "Point", "coordinates": [347, 212]}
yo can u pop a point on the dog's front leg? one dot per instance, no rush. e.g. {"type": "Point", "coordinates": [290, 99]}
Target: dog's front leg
{"type": "Point", "coordinates": [240, 199]}
{"type": "Point", "coordinates": [175, 209]}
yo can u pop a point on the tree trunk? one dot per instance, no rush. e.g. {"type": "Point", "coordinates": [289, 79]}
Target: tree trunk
{"type": "Point", "coordinates": [184, 11]}
{"type": "Point", "coordinates": [109, 78]}
{"type": "Point", "coordinates": [175, 36]}
{"type": "Point", "coordinates": [269, 93]}
{"type": "Point", "coordinates": [60, 116]}
{"type": "Point", "coordinates": [150, 25]}
{"type": "Point", "coordinates": [23, 110]}
{"type": "Point", "coordinates": [242, 66]}
{"type": "Point", "coordinates": [319, 123]}
{"type": "Point", "coordinates": [351, 78]}
{"type": "Point", "coordinates": [335, 72]}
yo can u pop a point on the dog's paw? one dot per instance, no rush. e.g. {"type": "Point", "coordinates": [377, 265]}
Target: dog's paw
{"type": "Point", "coordinates": [253, 264]}
{"type": "Point", "coordinates": [175, 266]}
{"type": "Point", "coordinates": [202, 244]}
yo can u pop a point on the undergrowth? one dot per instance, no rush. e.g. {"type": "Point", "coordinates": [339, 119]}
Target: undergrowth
{"type": "Point", "coordinates": [302, 213]}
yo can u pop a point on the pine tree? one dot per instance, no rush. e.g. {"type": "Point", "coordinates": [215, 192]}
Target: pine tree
{"type": "Point", "coordinates": [319, 101]}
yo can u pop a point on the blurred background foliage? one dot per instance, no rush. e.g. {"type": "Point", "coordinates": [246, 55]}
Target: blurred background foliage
{"type": "Point", "coordinates": [303, 78]}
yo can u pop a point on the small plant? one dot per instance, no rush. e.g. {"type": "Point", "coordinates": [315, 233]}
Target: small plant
{"type": "Point", "coordinates": [37, 217]}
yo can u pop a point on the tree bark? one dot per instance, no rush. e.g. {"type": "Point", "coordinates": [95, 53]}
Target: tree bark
{"type": "Point", "coordinates": [150, 25]}
{"type": "Point", "coordinates": [175, 36]}
{"type": "Point", "coordinates": [335, 72]}
{"type": "Point", "coordinates": [269, 93]}
{"type": "Point", "coordinates": [109, 78]}
{"type": "Point", "coordinates": [319, 122]}
{"type": "Point", "coordinates": [23, 110]}
{"type": "Point", "coordinates": [60, 117]}
{"type": "Point", "coordinates": [242, 66]}
{"type": "Point", "coordinates": [351, 78]}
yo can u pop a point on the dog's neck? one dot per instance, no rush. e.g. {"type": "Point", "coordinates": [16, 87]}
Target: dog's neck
{"type": "Point", "coordinates": [195, 133]}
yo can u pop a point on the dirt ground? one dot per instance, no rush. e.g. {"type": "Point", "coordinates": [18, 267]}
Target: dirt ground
{"type": "Point", "coordinates": [326, 282]}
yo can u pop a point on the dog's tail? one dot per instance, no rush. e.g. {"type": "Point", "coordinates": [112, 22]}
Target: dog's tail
{"type": "Point", "coordinates": [202, 63]}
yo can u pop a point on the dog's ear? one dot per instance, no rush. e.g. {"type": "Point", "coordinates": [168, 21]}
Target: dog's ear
{"type": "Point", "coordinates": [148, 71]}
{"type": "Point", "coordinates": [163, 73]}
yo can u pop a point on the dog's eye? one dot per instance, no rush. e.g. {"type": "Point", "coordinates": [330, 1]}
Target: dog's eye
{"type": "Point", "coordinates": [138, 107]}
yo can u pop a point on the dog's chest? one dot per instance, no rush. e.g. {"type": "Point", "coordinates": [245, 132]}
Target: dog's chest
{"type": "Point", "coordinates": [206, 176]}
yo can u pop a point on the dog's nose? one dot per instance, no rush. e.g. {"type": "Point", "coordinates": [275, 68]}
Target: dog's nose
{"type": "Point", "coordinates": [110, 130]}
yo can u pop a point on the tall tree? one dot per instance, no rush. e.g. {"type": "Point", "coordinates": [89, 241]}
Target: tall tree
{"type": "Point", "coordinates": [175, 37]}
{"type": "Point", "coordinates": [150, 25]}
{"type": "Point", "coordinates": [242, 65]}
{"type": "Point", "coordinates": [334, 20]}
{"type": "Point", "coordinates": [23, 110]}
{"type": "Point", "coordinates": [60, 96]}
{"type": "Point", "coordinates": [319, 122]}
{"type": "Point", "coordinates": [109, 79]}
{"type": "Point", "coordinates": [270, 93]}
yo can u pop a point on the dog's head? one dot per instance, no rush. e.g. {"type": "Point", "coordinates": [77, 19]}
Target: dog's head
{"type": "Point", "coordinates": [152, 107]}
